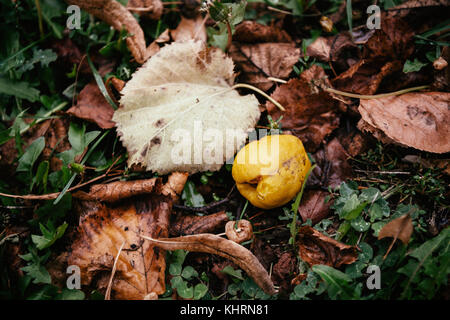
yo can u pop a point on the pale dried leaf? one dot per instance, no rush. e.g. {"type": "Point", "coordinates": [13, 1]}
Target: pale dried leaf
{"type": "Point", "coordinates": [183, 86]}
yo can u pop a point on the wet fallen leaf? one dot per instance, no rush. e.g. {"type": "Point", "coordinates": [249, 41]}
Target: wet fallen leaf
{"type": "Point", "coordinates": [316, 248]}
{"type": "Point", "coordinates": [192, 224]}
{"type": "Point", "coordinates": [310, 115]}
{"type": "Point", "coordinates": [261, 52]}
{"type": "Point", "coordinates": [228, 249]}
{"type": "Point", "coordinates": [116, 15]}
{"type": "Point", "coordinates": [183, 89]}
{"type": "Point", "coordinates": [313, 206]}
{"type": "Point", "coordinates": [92, 106]}
{"type": "Point", "coordinates": [284, 269]}
{"type": "Point", "coordinates": [400, 228]}
{"type": "Point", "coordinates": [332, 165]}
{"type": "Point", "coordinates": [383, 56]}
{"type": "Point", "coordinates": [412, 119]}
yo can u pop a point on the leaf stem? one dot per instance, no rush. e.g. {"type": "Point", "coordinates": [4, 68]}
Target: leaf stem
{"type": "Point", "coordinates": [39, 12]}
{"type": "Point", "coordinates": [376, 96]}
{"type": "Point", "coordinates": [244, 85]}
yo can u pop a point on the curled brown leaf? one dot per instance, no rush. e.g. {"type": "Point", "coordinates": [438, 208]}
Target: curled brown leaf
{"type": "Point", "coordinates": [241, 232]}
{"type": "Point", "coordinates": [115, 191]}
{"type": "Point", "coordinates": [228, 249]}
{"type": "Point", "coordinates": [316, 248]}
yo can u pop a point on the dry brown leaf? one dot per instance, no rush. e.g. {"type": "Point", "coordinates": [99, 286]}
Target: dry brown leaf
{"type": "Point", "coordinates": [316, 248]}
{"type": "Point", "coordinates": [240, 233]}
{"type": "Point", "coordinates": [228, 249]}
{"type": "Point", "coordinates": [192, 224]}
{"type": "Point", "coordinates": [418, 120]}
{"type": "Point", "coordinates": [253, 32]}
{"type": "Point", "coordinates": [310, 115]}
{"type": "Point", "coordinates": [313, 206]}
{"type": "Point", "coordinates": [190, 29]}
{"type": "Point", "coordinates": [117, 16]}
{"type": "Point", "coordinates": [261, 52]}
{"type": "Point", "coordinates": [92, 106]}
{"type": "Point", "coordinates": [365, 77]}
{"type": "Point", "coordinates": [102, 230]}
{"type": "Point", "coordinates": [400, 228]}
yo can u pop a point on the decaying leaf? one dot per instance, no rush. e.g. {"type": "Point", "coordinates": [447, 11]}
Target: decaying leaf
{"type": "Point", "coordinates": [141, 267]}
{"type": "Point", "coordinates": [92, 106]}
{"type": "Point", "coordinates": [400, 228]}
{"type": "Point", "coordinates": [418, 120]}
{"type": "Point", "coordinates": [116, 15]}
{"type": "Point", "coordinates": [383, 56]}
{"type": "Point", "coordinates": [181, 91]}
{"type": "Point", "coordinates": [313, 206]}
{"type": "Point", "coordinates": [239, 231]}
{"type": "Point", "coordinates": [311, 115]}
{"type": "Point", "coordinates": [192, 224]}
{"type": "Point", "coordinates": [261, 52]}
{"type": "Point", "coordinates": [210, 243]}
{"type": "Point", "coordinates": [104, 228]}
{"type": "Point", "coordinates": [332, 167]}
{"type": "Point", "coordinates": [316, 248]}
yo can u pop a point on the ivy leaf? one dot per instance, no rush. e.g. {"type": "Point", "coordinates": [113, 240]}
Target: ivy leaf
{"type": "Point", "coordinates": [413, 66]}
{"type": "Point", "coordinates": [191, 196]}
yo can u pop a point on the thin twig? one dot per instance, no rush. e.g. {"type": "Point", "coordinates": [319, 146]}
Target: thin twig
{"type": "Point", "coordinates": [375, 96]}
{"type": "Point", "coordinates": [108, 289]}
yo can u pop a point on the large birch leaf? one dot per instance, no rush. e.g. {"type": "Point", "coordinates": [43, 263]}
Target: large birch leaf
{"type": "Point", "coordinates": [181, 95]}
